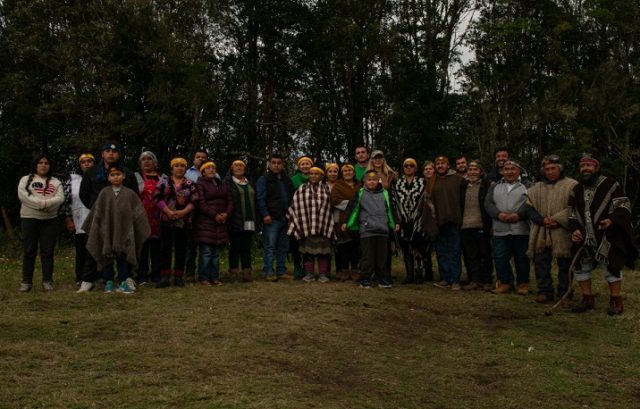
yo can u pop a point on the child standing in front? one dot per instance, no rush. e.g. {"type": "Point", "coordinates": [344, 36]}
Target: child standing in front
{"type": "Point", "coordinates": [370, 213]}
{"type": "Point", "coordinates": [118, 228]}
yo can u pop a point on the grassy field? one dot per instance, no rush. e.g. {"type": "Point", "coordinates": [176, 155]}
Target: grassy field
{"type": "Point", "coordinates": [296, 345]}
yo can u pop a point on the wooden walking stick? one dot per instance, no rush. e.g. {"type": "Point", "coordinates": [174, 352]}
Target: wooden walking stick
{"type": "Point", "coordinates": [549, 312]}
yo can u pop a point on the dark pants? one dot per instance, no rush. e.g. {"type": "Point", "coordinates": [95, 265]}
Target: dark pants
{"type": "Point", "coordinates": [152, 249]}
{"type": "Point", "coordinates": [476, 251]}
{"type": "Point", "coordinates": [348, 255]}
{"type": "Point", "coordinates": [542, 263]}
{"type": "Point", "coordinates": [36, 233]}
{"type": "Point", "coordinates": [108, 273]}
{"type": "Point", "coordinates": [174, 240]}
{"type": "Point", "coordinates": [295, 256]}
{"type": "Point", "coordinates": [191, 256]}
{"type": "Point", "coordinates": [374, 257]}
{"type": "Point", "coordinates": [323, 263]}
{"type": "Point", "coordinates": [240, 249]}
{"type": "Point", "coordinates": [407, 256]}
{"type": "Point", "coordinates": [506, 247]}
{"type": "Point", "coordinates": [80, 241]}
{"type": "Point", "coordinates": [448, 253]}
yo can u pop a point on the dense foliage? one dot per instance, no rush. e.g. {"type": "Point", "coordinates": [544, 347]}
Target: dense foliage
{"type": "Point", "coordinates": [243, 78]}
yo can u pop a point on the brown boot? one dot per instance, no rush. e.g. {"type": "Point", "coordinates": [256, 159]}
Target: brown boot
{"type": "Point", "coordinates": [616, 307]}
{"type": "Point", "coordinates": [523, 289]}
{"type": "Point", "coordinates": [543, 298]}
{"type": "Point", "coordinates": [234, 275]}
{"type": "Point", "coordinates": [247, 275]}
{"type": "Point", "coordinates": [587, 303]}
{"type": "Point", "coordinates": [471, 286]}
{"type": "Point", "coordinates": [502, 288]}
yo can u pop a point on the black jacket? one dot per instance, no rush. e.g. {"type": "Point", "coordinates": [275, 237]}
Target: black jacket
{"type": "Point", "coordinates": [94, 181]}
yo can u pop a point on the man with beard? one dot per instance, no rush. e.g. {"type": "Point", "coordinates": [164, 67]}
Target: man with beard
{"type": "Point", "coordinates": [362, 160]}
{"type": "Point", "coordinates": [447, 199]}
{"type": "Point", "coordinates": [600, 219]}
{"type": "Point", "coordinates": [461, 165]}
{"type": "Point", "coordinates": [549, 236]}
{"type": "Point", "coordinates": [501, 155]}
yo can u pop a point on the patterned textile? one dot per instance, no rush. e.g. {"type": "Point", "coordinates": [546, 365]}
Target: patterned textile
{"type": "Point", "coordinates": [310, 212]}
{"type": "Point", "coordinates": [407, 197]}
{"type": "Point", "coordinates": [176, 197]}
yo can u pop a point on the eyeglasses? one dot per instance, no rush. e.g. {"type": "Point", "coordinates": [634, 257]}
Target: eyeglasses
{"type": "Point", "coordinates": [409, 165]}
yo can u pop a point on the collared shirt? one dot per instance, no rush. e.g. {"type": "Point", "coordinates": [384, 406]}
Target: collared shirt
{"type": "Point", "coordinates": [192, 174]}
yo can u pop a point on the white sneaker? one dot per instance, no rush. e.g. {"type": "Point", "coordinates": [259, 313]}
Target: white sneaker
{"type": "Point", "coordinates": [85, 286]}
{"type": "Point", "coordinates": [131, 283]}
{"type": "Point", "coordinates": [309, 278]}
{"type": "Point", "coordinates": [47, 286]}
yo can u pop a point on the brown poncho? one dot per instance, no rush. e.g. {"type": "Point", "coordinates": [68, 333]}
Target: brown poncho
{"type": "Point", "coordinates": [116, 226]}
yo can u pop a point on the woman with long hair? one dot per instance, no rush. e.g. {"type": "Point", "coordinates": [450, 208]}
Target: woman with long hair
{"type": "Point", "coordinates": [40, 195]}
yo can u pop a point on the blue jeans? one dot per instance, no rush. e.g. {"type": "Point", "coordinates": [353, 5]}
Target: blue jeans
{"type": "Point", "coordinates": [276, 245]}
{"type": "Point", "coordinates": [209, 263]}
{"type": "Point", "coordinates": [506, 247]}
{"type": "Point", "coordinates": [123, 270]}
{"type": "Point", "coordinates": [448, 253]}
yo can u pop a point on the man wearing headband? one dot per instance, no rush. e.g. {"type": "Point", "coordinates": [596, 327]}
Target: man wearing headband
{"type": "Point", "coordinates": [93, 181]}
{"type": "Point", "coordinates": [274, 192]}
{"type": "Point", "coordinates": [506, 204]}
{"type": "Point", "coordinates": [447, 192]}
{"type": "Point", "coordinates": [76, 212]}
{"type": "Point", "coordinates": [550, 237]}
{"type": "Point", "coordinates": [600, 222]}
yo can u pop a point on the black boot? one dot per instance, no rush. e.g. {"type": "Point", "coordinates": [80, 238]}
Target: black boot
{"type": "Point", "coordinates": [616, 306]}
{"type": "Point", "coordinates": [587, 303]}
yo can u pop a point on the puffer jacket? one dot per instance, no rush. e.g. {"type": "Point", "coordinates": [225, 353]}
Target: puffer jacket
{"type": "Point", "coordinates": [215, 198]}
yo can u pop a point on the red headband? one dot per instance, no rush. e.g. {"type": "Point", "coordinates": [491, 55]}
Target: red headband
{"type": "Point", "coordinates": [589, 159]}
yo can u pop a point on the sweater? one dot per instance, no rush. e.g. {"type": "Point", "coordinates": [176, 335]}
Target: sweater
{"type": "Point", "coordinates": [39, 201]}
{"type": "Point", "coordinates": [550, 200]}
{"type": "Point", "coordinates": [371, 213]}
{"type": "Point", "coordinates": [447, 198]}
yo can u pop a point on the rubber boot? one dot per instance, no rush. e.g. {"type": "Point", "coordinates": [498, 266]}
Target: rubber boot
{"type": "Point", "coordinates": [616, 306]}
{"type": "Point", "coordinates": [587, 303]}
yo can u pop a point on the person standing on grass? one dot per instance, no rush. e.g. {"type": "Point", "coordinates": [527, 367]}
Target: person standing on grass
{"type": "Point", "coordinates": [348, 248]}
{"type": "Point", "coordinates": [40, 195]}
{"type": "Point", "coordinates": [600, 222]}
{"type": "Point", "coordinates": [427, 228]}
{"type": "Point", "coordinates": [475, 231]}
{"type": "Point", "coordinates": [549, 236]}
{"type": "Point", "coordinates": [311, 223]}
{"type": "Point", "coordinates": [362, 161]}
{"type": "Point", "coordinates": [210, 227]}
{"type": "Point", "coordinates": [462, 164]}
{"type": "Point", "coordinates": [118, 228]}
{"type": "Point", "coordinates": [409, 190]}
{"type": "Point", "coordinates": [242, 221]}
{"type": "Point", "coordinates": [371, 213]}
{"type": "Point", "coordinates": [506, 204]}
{"type": "Point", "coordinates": [148, 179]}
{"type": "Point", "coordinates": [93, 181]}
{"type": "Point", "coordinates": [176, 197]}
{"type": "Point", "coordinates": [76, 212]}
{"type": "Point", "coordinates": [200, 156]}
{"type": "Point", "coordinates": [274, 192]}
{"type": "Point", "coordinates": [447, 199]}
{"type": "Point", "coordinates": [301, 176]}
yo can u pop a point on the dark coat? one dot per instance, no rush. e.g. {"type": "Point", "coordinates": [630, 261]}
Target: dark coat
{"type": "Point", "coordinates": [95, 179]}
{"type": "Point", "coordinates": [215, 198]}
{"type": "Point", "coordinates": [235, 221]}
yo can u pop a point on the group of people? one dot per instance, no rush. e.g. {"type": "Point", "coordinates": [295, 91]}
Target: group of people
{"type": "Point", "coordinates": [150, 226]}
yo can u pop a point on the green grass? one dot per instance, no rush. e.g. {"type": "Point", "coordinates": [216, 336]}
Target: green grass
{"type": "Point", "coordinates": [295, 345]}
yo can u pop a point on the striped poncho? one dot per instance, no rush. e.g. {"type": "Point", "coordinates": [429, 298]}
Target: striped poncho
{"type": "Point", "coordinates": [310, 212]}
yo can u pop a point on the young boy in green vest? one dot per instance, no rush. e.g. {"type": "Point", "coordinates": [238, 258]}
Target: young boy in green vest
{"type": "Point", "coordinates": [370, 213]}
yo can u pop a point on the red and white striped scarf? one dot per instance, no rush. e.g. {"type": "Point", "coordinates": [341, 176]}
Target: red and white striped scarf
{"type": "Point", "coordinates": [310, 212]}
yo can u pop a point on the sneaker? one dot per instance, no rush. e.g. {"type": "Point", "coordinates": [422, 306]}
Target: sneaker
{"type": "Point", "coordinates": [131, 283]}
{"type": "Point", "coordinates": [108, 287]}
{"type": "Point", "coordinates": [441, 284]}
{"type": "Point", "coordinates": [384, 283]}
{"type": "Point", "coordinates": [124, 288]}
{"type": "Point", "coordinates": [308, 278]}
{"type": "Point", "coordinates": [47, 286]}
{"type": "Point", "coordinates": [455, 286]}
{"type": "Point", "coordinates": [85, 286]}
{"type": "Point", "coordinates": [24, 287]}
{"type": "Point", "coordinates": [365, 284]}
{"type": "Point", "coordinates": [471, 286]}
{"type": "Point", "coordinates": [323, 278]}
